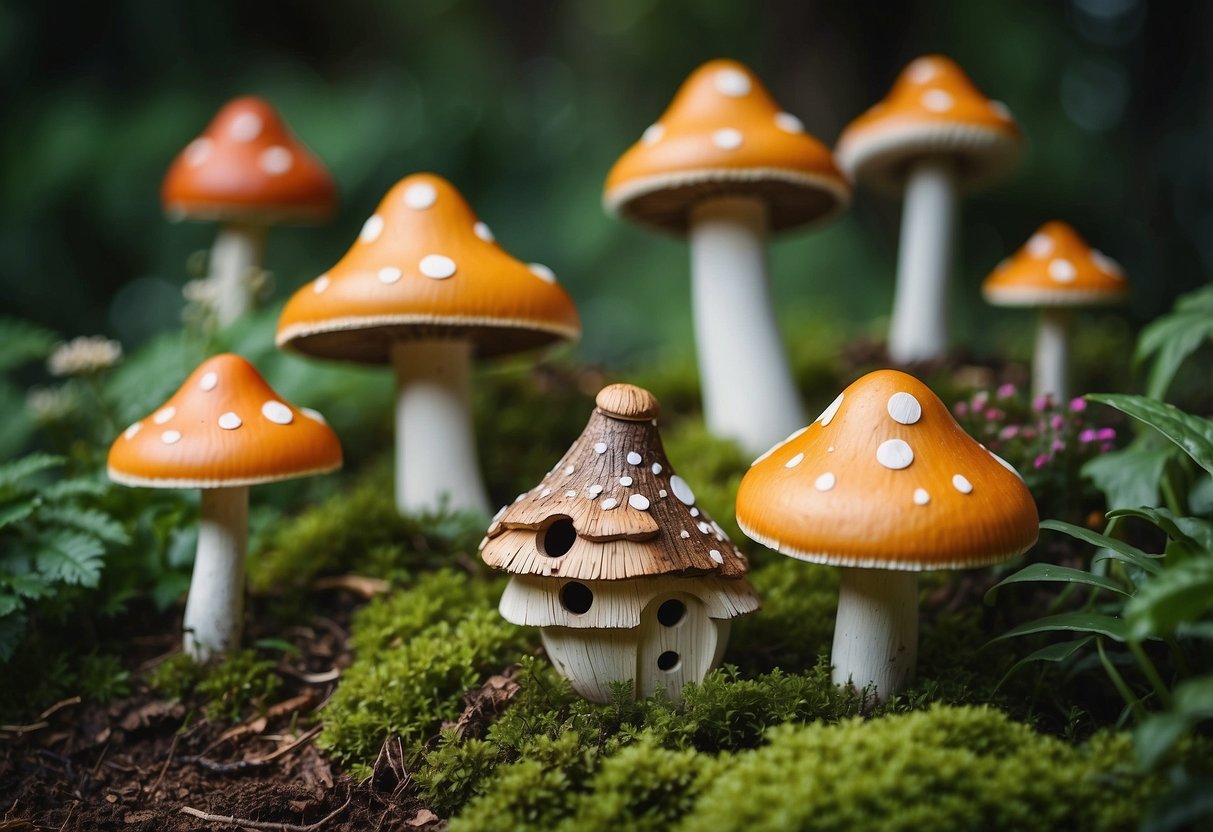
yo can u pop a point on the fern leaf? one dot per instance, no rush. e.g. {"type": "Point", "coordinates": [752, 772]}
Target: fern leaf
{"type": "Point", "coordinates": [12, 473]}
{"type": "Point", "coordinates": [74, 487]}
{"type": "Point", "coordinates": [96, 523]}
{"type": "Point", "coordinates": [18, 511]}
{"type": "Point", "coordinates": [22, 342]}
{"type": "Point", "coordinates": [70, 557]}
{"type": "Point", "coordinates": [12, 630]}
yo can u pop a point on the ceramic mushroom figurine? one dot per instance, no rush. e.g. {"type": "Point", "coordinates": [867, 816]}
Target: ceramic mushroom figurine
{"type": "Point", "coordinates": [224, 430]}
{"type": "Point", "coordinates": [609, 555]}
{"type": "Point", "coordinates": [424, 288]}
{"type": "Point", "coordinates": [1056, 272]}
{"type": "Point", "coordinates": [247, 172]}
{"type": "Point", "coordinates": [885, 484]}
{"type": "Point", "coordinates": [933, 136]}
{"type": "Point", "coordinates": [725, 166]}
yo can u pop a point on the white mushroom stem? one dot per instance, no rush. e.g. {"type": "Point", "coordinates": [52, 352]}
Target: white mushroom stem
{"type": "Point", "coordinates": [214, 610]}
{"type": "Point", "coordinates": [436, 462]}
{"type": "Point", "coordinates": [748, 392]}
{"type": "Point", "coordinates": [876, 633]}
{"type": "Point", "coordinates": [919, 329]}
{"type": "Point", "coordinates": [236, 252]}
{"type": "Point", "coordinates": [1051, 363]}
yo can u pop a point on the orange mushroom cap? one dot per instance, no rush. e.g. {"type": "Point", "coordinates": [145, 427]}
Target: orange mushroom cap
{"type": "Point", "coordinates": [886, 479]}
{"type": "Point", "coordinates": [224, 427]}
{"type": "Point", "coordinates": [724, 135]}
{"type": "Point", "coordinates": [248, 167]}
{"type": "Point", "coordinates": [425, 267]}
{"type": "Point", "coordinates": [1056, 267]}
{"type": "Point", "coordinates": [932, 110]}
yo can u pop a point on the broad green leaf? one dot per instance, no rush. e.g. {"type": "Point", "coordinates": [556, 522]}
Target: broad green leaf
{"type": "Point", "coordinates": [1181, 594]}
{"type": "Point", "coordinates": [97, 523]}
{"type": "Point", "coordinates": [1063, 574]}
{"type": "Point", "coordinates": [1130, 476]}
{"type": "Point", "coordinates": [1078, 622]}
{"type": "Point", "coordinates": [1191, 433]}
{"type": "Point", "coordinates": [1058, 652]}
{"type": "Point", "coordinates": [70, 557]}
{"type": "Point", "coordinates": [10, 604]}
{"type": "Point", "coordinates": [1192, 531]}
{"type": "Point", "coordinates": [1117, 549]}
{"type": "Point", "coordinates": [1156, 736]}
{"type": "Point", "coordinates": [1170, 340]}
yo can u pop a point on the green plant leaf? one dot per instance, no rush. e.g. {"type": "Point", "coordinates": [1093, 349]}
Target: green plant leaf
{"type": "Point", "coordinates": [1112, 547]}
{"type": "Point", "coordinates": [1191, 531]}
{"type": "Point", "coordinates": [12, 630]}
{"type": "Point", "coordinates": [22, 342]}
{"type": "Point", "coordinates": [1170, 340]}
{"type": "Point", "coordinates": [97, 523]}
{"type": "Point", "coordinates": [1181, 594]}
{"type": "Point", "coordinates": [1191, 433]}
{"type": "Point", "coordinates": [1064, 574]}
{"type": "Point", "coordinates": [70, 557]}
{"type": "Point", "coordinates": [1157, 735]}
{"type": "Point", "coordinates": [1058, 652]}
{"type": "Point", "coordinates": [1078, 622]}
{"type": "Point", "coordinates": [1130, 476]}
{"type": "Point", "coordinates": [12, 473]}
{"type": "Point", "coordinates": [18, 511]}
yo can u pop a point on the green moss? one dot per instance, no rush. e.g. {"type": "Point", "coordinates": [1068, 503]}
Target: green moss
{"type": "Point", "coordinates": [226, 689]}
{"type": "Point", "coordinates": [796, 622]}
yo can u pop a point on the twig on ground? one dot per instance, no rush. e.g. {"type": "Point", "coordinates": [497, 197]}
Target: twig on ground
{"type": "Point", "coordinates": [238, 766]}
{"type": "Point", "coordinates": [172, 749]}
{"type": "Point", "coordinates": [266, 826]}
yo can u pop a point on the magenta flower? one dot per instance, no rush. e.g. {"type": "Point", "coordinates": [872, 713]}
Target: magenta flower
{"type": "Point", "coordinates": [1009, 432]}
{"type": "Point", "coordinates": [1056, 421]}
{"type": "Point", "coordinates": [1106, 434]}
{"type": "Point", "coordinates": [994, 414]}
{"type": "Point", "coordinates": [1042, 403]}
{"type": "Point", "coordinates": [1088, 435]}
{"type": "Point", "coordinates": [1057, 445]}
{"type": "Point", "coordinates": [1078, 405]}
{"type": "Point", "coordinates": [1041, 461]}
{"type": "Point", "coordinates": [1006, 391]}
{"type": "Point", "coordinates": [961, 409]}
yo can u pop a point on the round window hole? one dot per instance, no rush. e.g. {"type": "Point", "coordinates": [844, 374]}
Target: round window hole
{"type": "Point", "coordinates": [558, 538]}
{"type": "Point", "coordinates": [576, 597]}
{"type": "Point", "coordinates": [668, 660]}
{"type": "Point", "coordinates": [671, 612]}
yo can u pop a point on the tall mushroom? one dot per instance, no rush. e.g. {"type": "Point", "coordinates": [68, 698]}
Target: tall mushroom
{"type": "Point", "coordinates": [725, 166]}
{"type": "Point", "coordinates": [224, 430]}
{"type": "Point", "coordinates": [885, 484]}
{"type": "Point", "coordinates": [609, 555]}
{"type": "Point", "coordinates": [423, 288]}
{"type": "Point", "coordinates": [247, 172]}
{"type": "Point", "coordinates": [932, 136]}
{"type": "Point", "coordinates": [1056, 272]}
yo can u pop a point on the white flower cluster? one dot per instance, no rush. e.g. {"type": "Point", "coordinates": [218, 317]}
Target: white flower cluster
{"type": "Point", "coordinates": [84, 356]}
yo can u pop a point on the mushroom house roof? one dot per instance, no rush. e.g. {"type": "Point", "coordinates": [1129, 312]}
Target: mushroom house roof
{"type": "Point", "coordinates": [886, 479]}
{"type": "Point", "coordinates": [224, 427]}
{"type": "Point", "coordinates": [626, 512]}
{"type": "Point", "coordinates": [933, 110]}
{"type": "Point", "coordinates": [248, 167]}
{"type": "Point", "coordinates": [425, 267]}
{"type": "Point", "coordinates": [724, 135]}
{"type": "Point", "coordinates": [1056, 267]}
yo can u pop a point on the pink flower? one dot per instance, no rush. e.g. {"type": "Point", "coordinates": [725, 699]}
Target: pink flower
{"type": "Point", "coordinates": [1042, 403]}
{"type": "Point", "coordinates": [1088, 435]}
{"type": "Point", "coordinates": [1041, 461]}
{"type": "Point", "coordinates": [1078, 405]}
{"type": "Point", "coordinates": [1057, 445]}
{"type": "Point", "coordinates": [961, 409]}
{"type": "Point", "coordinates": [1009, 432]}
{"type": "Point", "coordinates": [1106, 434]}
{"type": "Point", "coordinates": [1006, 391]}
{"type": "Point", "coordinates": [994, 414]}
{"type": "Point", "coordinates": [1056, 421]}
{"type": "Point", "coordinates": [979, 399]}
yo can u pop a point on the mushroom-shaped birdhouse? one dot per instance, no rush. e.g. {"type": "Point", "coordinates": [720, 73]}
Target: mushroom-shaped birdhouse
{"type": "Point", "coordinates": [609, 555]}
{"type": "Point", "coordinates": [424, 287]}
{"type": "Point", "coordinates": [885, 484]}
{"type": "Point", "coordinates": [224, 430]}
{"type": "Point", "coordinates": [247, 172]}
{"type": "Point", "coordinates": [1056, 272]}
{"type": "Point", "coordinates": [934, 135]}
{"type": "Point", "coordinates": [725, 166]}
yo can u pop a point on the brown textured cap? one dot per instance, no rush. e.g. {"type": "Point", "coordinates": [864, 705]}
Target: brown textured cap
{"type": "Point", "coordinates": [224, 427]}
{"type": "Point", "coordinates": [1056, 267]}
{"type": "Point", "coordinates": [248, 167]}
{"type": "Point", "coordinates": [425, 267]}
{"type": "Point", "coordinates": [723, 135]}
{"type": "Point", "coordinates": [632, 515]}
{"type": "Point", "coordinates": [886, 479]}
{"type": "Point", "coordinates": [933, 110]}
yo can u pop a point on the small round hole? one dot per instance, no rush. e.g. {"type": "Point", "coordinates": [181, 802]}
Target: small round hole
{"type": "Point", "coordinates": [671, 612]}
{"type": "Point", "coordinates": [668, 660]}
{"type": "Point", "coordinates": [559, 537]}
{"type": "Point", "coordinates": [576, 597]}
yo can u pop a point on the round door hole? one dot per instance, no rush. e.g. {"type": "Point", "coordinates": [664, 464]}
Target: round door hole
{"type": "Point", "coordinates": [576, 597]}
{"type": "Point", "coordinates": [558, 538]}
{"type": "Point", "coordinates": [668, 660]}
{"type": "Point", "coordinates": [671, 612]}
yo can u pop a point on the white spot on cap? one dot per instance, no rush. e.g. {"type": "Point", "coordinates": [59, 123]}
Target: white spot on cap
{"type": "Point", "coordinates": [198, 151]}
{"type": "Point", "coordinates": [625, 481]}
{"type": "Point", "coordinates": [321, 283]}
{"type": "Point", "coordinates": [500, 513]}
{"type": "Point", "coordinates": [1004, 464]}
{"type": "Point", "coordinates": [277, 412]}
{"type": "Point", "coordinates": [371, 229]}
{"type": "Point", "coordinates": [1106, 264]}
{"type": "Point", "coordinates": [639, 502]}
{"type": "Point", "coordinates": [133, 430]}
{"type": "Point", "coordinates": [827, 415]}
{"type": "Point", "coordinates": [209, 381]}
{"type": "Point", "coordinates": [662, 493]}
{"type": "Point", "coordinates": [652, 134]}
{"type": "Point", "coordinates": [961, 484]}
{"type": "Point", "coordinates": [594, 490]}
{"type": "Point", "coordinates": [389, 274]}
{"type": "Point", "coordinates": [789, 123]}
{"type": "Point", "coordinates": [230, 421]}
{"type": "Point", "coordinates": [482, 231]}
{"type": "Point", "coordinates": [727, 138]}
{"type": "Point", "coordinates": [547, 492]}
{"type": "Point", "coordinates": [245, 127]}
{"type": "Point", "coordinates": [1001, 110]}
{"type": "Point", "coordinates": [704, 528]}
{"type": "Point", "coordinates": [921, 497]}
{"type": "Point", "coordinates": [542, 272]}
{"type": "Point", "coordinates": [904, 408]}
{"type": "Point", "coordinates": [1062, 270]}
{"type": "Point", "coordinates": [568, 469]}
{"type": "Point", "coordinates": [656, 469]}
{"type": "Point", "coordinates": [522, 497]}
{"type": "Point", "coordinates": [681, 490]}
{"type": "Point", "coordinates": [609, 503]}
{"type": "Point", "coordinates": [314, 415]}
{"type": "Point", "coordinates": [170, 437]}
{"type": "Point", "coordinates": [164, 415]}
{"type": "Point", "coordinates": [275, 160]}
{"type": "Point", "coordinates": [1040, 245]}
{"type": "Point", "coordinates": [684, 534]}
{"type": "Point", "coordinates": [633, 458]}
{"type": "Point", "coordinates": [600, 447]}
{"type": "Point", "coordinates": [794, 461]}
{"type": "Point", "coordinates": [436, 266]}
{"type": "Point", "coordinates": [922, 70]}
{"type": "Point", "coordinates": [830, 449]}
{"type": "Point", "coordinates": [694, 511]}
{"type": "Point", "coordinates": [732, 82]}
{"type": "Point", "coordinates": [420, 195]}
{"type": "Point", "coordinates": [571, 493]}
{"type": "Point", "coordinates": [716, 556]}
{"type": "Point", "coordinates": [894, 454]}
{"type": "Point", "coordinates": [937, 101]}
{"type": "Point", "coordinates": [825, 482]}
